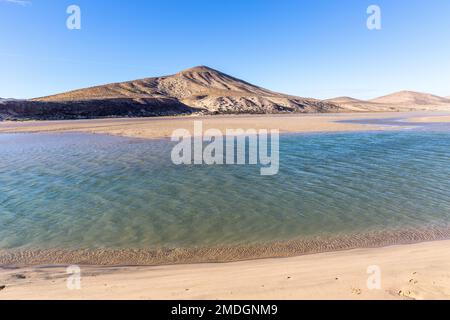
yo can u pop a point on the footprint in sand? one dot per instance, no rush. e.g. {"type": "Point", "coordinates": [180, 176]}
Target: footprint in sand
{"type": "Point", "coordinates": [407, 294]}
{"type": "Point", "coordinates": [356, 291]}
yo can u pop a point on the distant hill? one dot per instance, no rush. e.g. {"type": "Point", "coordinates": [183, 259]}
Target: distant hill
{"type": "Point", "coordinates": [399, 101]}
{"type": "Point", "coordinates": [411, 98]}
{"type": "Point", "coordinates": [196, 90]}
{"type": "Point", "coordinates": [199, 90]}
{"type": "Point", "coordinates": [6, 100]}
{"type": "Point", "coordinates": [345, 100]}
{"type": "Point", "coordinates": [354, 105]}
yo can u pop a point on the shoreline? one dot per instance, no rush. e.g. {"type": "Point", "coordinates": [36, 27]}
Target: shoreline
{"type": "Point", "coordinates": [157, 128]}
{"type": "Point", "coordinates": [410, 271]}
{"type": "Point", "coordinates": [296, 269]}
{"type": "Point", "coordinates": [167, 256]}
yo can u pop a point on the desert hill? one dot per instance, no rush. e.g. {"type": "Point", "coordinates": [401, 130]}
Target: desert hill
{"type": "Point", "coordinates": [196, 90]}
{"type": "Point", "coordinates": [203, 89]}
{"type": "Point", "coordinates": [411, 98]}
{"type": "Point", "coordinates": [199, 90]}
{"type": "Point", "coordinates": [399, 101]}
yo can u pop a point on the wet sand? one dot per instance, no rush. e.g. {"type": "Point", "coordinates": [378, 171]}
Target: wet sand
{"type": "Point", "coordinates": [163, 127]}
{"type": "Point", "coordinates": [170, 256]}
{"type": "Point", "coordinates": [416, 271]}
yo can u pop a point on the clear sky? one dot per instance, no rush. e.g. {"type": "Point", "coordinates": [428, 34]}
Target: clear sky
{"type": "Point", "coordinates": [315, 48]}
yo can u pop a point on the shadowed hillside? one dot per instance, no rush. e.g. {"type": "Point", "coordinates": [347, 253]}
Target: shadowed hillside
{"type": "Point", "coordinates": [202, 88]}
{"type": "Point", "coordinates": [197, 90]}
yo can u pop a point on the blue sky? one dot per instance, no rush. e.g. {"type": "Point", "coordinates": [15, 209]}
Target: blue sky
{"type": "Point", "coordinates": [316, 48]}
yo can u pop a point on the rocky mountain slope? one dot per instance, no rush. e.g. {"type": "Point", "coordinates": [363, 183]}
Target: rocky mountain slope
{"type": "Point", "coordinates": [196, 90]}
{"type": "Point", "coordinates": [199, 90]}
{"type": "Point", "coordinates": [203, 89]}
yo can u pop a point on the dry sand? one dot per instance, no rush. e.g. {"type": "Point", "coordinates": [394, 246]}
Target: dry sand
{"type": "Point", "coordinates": [416, 271]}
{"type": "Point", "coordinates": [431, 119]}
{"type": "Point", "coordinates": [163, 127]}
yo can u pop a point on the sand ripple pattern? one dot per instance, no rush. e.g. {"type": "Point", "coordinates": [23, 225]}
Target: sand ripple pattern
{"type": "Point", "coordinates": [143, 257]}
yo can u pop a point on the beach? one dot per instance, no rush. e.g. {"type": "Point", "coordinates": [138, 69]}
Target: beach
{"type": "Point", "coordinates": [431, 119]}
{"type": "Point", "coordinates": [155, 128]}
{"type": "Point", "coordinates": [408, 271]}
{"type": "Point", "coordinates": [416, 271]}
{"type": "Point", "coordinates": [226, 150]}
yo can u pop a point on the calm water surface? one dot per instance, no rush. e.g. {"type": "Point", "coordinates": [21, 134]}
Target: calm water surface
{"type": "Point", "coordinates": [93, 191]}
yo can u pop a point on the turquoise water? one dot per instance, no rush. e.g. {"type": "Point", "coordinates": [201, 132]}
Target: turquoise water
{"type": "Point", "coordinates": [93, 191]}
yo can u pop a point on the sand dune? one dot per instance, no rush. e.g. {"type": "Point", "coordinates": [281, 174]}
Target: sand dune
{"type": "Point", "coordinates": [411, 98]}
{"type": "Point", "coordinates": [399, 101]}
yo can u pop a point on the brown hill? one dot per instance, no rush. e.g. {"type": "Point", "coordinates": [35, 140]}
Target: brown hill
{"type": "Point", "coordinates": [355, 105]}
{"type": "Point", "coordinates": [399, 101]}
{"type": "Point", "coordinates": [202, 89]}
{"type": "Point", "coordinates": [345, 100]}
{"type": "Point", "coordinates": [197, 90]}
{"type": "Point", "coordinates": [411, 98]}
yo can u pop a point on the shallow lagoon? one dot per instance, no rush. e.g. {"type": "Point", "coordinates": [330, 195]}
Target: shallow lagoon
{"type": "Point", "coordinates": [93, 191]}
